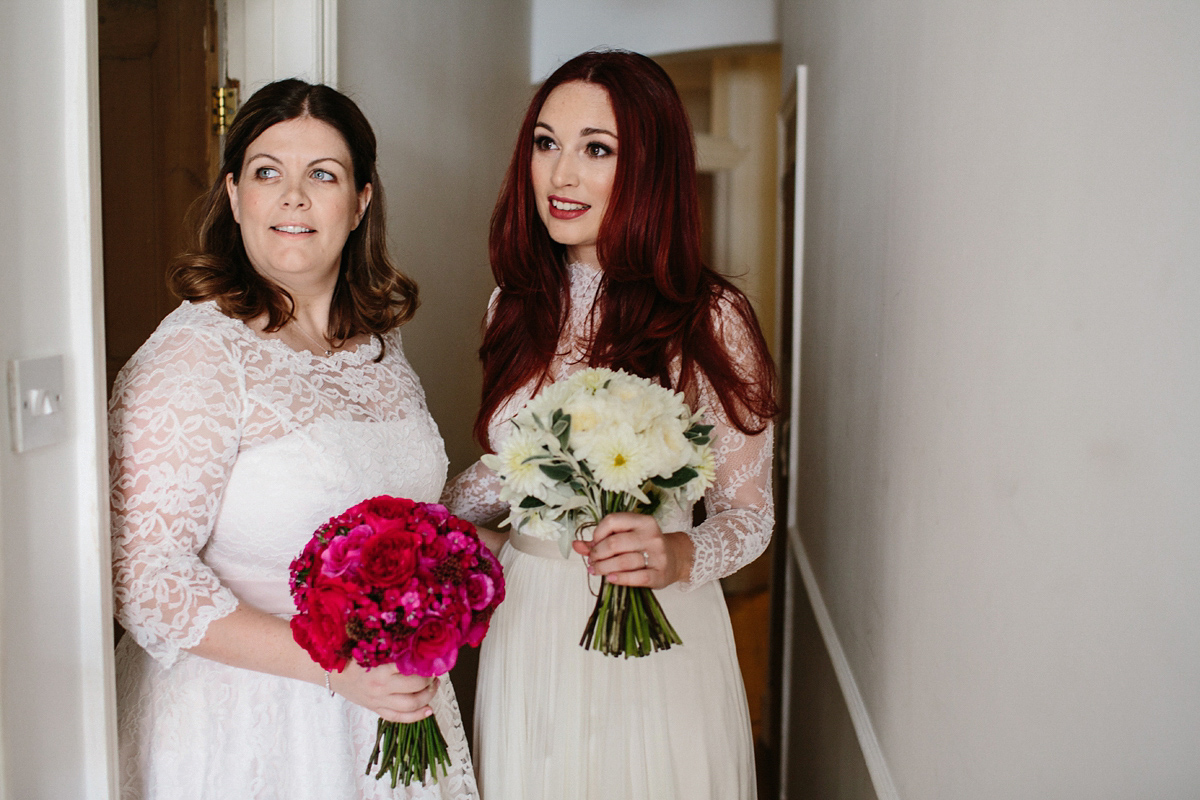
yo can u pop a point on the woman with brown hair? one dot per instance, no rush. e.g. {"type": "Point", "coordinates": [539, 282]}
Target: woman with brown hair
{"type": "Point", "coordinates": [275, 396]}
{"type": "Point", "coordinates": [595, 247]}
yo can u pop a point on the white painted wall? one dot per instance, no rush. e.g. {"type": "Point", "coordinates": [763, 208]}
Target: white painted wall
{"type": "Point", "coordinates": [1001, 386]}
{"type": "Point", "coordinates": [564, 28]}
{"type": "Point", "coordinates": [55, 615]}
{"type": "Point", "coordinates": [445, 87]}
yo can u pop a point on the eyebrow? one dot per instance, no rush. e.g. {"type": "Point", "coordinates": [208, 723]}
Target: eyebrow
{"type": "Point", "coordinates": [311, 163]}
{"type": "Point", "coordinates": [583, 132]}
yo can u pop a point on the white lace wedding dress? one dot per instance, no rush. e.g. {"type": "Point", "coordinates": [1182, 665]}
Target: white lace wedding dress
{"type": "Point", "coordinates": [556, 722]}
{"type": "Point", "coordinates": [228, 450]}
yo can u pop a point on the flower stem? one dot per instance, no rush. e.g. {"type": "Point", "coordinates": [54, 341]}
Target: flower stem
{"type": "Point", "coordinates": [627, 621]}
{"type": "Point", "coordinates": [408, 751]}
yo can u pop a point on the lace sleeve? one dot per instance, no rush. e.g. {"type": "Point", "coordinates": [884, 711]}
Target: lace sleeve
{"type": "Point", "coordinates": [740, 506]}
{"type": "Point", "coordinates": [174, 426]}
{"type": "Point", "coordinates": [474, 495]}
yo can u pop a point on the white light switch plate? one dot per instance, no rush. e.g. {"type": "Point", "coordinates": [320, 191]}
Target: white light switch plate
{"type": "Point", "coordinates": [35, 402]}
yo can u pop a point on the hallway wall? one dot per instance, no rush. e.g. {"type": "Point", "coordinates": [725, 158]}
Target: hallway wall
{"type": "Point", "coordinates": [445, 93]}
{"type": "Point", "coordinates": [1001, 386]}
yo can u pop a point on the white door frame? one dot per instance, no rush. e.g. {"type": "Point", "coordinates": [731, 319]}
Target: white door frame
{"type": "Point", "coordinates": [266, 40]}
{"type": "Point", "coordinates": [85, 279]}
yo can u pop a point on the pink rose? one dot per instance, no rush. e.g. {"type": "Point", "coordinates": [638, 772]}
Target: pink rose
{"type": "Point", "coordinates": [435, 646]}
{"type": "Point", "coordinates": [480, 591]}
{"type": "Point", "coordinates": [343, 553]}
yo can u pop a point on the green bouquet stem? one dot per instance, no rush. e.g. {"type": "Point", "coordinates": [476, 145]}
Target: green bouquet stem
{"type": "Point", "coordinates": [627, 621]}
{"type": "Point", "coordinates": [409, 750]}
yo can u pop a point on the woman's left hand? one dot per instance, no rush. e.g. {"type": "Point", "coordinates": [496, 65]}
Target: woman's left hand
{"type": "Point", "coordinates": [631, 550]}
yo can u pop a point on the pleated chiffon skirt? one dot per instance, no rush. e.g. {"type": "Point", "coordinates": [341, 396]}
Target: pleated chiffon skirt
{"type": "Point", "coordinates": [556, 722]}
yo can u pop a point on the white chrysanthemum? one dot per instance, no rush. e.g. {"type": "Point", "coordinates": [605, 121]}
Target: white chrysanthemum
{"type": "Point", "coordinates": [618, 460]}
{"type": "Point", "coordinates": [588, 411]}
{"type": "Point", "coordinates": [539, 527]}
{"type": "Point", "coordinates": [667, 448]}
{"type": "Point", "coordinates": [626, 388]}
{"type": "Point", "coordinates": [519, 462]}
{"type": "Point", "coordinates": [551, 398]}
{"type": "Point", "coordinates": [590, 380]}
{"type": "Point", "coordinates": [706, 474]}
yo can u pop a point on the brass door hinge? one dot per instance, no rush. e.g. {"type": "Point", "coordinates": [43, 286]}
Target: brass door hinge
{"type": "Point", "coordinates": [224, 106]}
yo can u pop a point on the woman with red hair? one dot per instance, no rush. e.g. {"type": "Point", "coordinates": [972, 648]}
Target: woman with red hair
{"type": "Point", "coordinates": [595, 247]}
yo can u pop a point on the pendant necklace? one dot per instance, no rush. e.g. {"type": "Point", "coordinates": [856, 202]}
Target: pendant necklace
{"type": "Point", "coordinates": [322, 347]}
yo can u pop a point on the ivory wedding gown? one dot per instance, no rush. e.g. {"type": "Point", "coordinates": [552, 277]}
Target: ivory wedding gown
{"type": "Point", "coordinates": [557, 722]}
{"type": "Point", "coordinates": [228, 450]}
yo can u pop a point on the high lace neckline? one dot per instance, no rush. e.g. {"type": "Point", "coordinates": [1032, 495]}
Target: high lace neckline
{"type": "Point", "coordinates": [583, 268]}
{"type": "Point", "coordinates": [359, 354]}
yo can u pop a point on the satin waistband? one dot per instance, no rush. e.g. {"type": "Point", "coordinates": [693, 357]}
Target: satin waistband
{"type": "Point", "coordinates": [542, 548]}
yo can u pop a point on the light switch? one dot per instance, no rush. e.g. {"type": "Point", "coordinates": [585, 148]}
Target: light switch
{"type": "Point", "coordinates": [35, 398]}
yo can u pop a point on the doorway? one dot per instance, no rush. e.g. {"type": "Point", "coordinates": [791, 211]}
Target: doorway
{"type": "Point", "coordinates": [159, 151]}
{"type": "Point", "coordinates": [732, 99]}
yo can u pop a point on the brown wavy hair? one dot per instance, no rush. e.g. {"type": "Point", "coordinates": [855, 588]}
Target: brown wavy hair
{"type": "Point", "coordinates": [372, 295]}
{"type": "Point", "coordinates": [658, 304]}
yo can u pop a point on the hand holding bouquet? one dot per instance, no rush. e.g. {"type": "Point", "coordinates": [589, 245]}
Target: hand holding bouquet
{"type": "Point", "coordinates": [391, 581]}
{"type": "Point", "coordinates": [599, 442]}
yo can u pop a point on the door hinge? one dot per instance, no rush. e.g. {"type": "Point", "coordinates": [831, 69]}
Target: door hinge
{"type": "Point", "coordinates": [224, 106]}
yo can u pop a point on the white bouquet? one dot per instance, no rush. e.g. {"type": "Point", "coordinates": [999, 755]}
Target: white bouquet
{"type": "Point", "coordinates": [599, 442]}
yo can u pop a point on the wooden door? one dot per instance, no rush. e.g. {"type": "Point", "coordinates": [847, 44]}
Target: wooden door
{"type": "Point", "coordinates": [158, 67]}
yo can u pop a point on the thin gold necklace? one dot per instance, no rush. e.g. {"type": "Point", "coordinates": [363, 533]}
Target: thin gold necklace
{"type": "Point", "coordinates": [322, 347]}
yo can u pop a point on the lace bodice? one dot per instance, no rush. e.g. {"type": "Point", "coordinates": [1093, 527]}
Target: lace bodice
{"type": "Point", "coordinates": [229, 449]}
{"type": "Point", "coordinates": [740, 508]}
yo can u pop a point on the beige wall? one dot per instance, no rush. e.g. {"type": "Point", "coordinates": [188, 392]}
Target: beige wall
{"type": "Point", "coordinates": [445, 93]}
{"type": "Point", "coordinates": [1001, 386]}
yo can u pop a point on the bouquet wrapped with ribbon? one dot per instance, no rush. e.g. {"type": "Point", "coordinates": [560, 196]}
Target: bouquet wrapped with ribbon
{"type": "Point", "coordinates": [599, 442]}
{"type": "Point", "coordinates": [392, 581]}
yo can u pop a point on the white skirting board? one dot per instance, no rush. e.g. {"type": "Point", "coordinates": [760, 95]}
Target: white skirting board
{"type": "Point", "coordinates": [881, 777]}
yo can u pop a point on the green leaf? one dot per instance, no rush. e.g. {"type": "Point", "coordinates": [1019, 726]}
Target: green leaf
{"type": "Point", "coordinates": [557, 472]}
{"type": "Point", "coordinates": [562, 429]}
{"type": "Point", "coordinates": [681, 476]}
{"type": "Point", "coordinates": [531, 502]}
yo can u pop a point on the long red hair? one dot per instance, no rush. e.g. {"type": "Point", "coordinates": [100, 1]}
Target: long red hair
{"type": "Point", "coordinates": [657, 301]}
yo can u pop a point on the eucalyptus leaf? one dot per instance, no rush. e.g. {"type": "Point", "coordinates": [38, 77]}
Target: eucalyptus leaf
{"type": "Point", "coordinates": [681, 476]}
{"type": "Point", "coordinates": [563, 433]}
{"type": "Point", "coordinates": [557, 472]}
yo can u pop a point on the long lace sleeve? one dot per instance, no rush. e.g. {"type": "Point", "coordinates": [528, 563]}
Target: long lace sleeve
{"type": "Point", "coordinates": [174, 427]}
{"type": "Point", "coordinates": [740, 505]}
{"type": "Point", "coordinates": [474, 495]}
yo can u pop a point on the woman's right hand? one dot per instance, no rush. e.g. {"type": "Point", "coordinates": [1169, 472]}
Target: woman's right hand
{"type": "Point", "coordinates": [386, 691]}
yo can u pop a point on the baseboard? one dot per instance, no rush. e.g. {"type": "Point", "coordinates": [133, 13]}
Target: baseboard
{"type": "Point", "coordinates": [881, 777]}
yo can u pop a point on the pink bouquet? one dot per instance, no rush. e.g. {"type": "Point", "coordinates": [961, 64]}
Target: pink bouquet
{"type": "Point", "coordinates": [391, 581]}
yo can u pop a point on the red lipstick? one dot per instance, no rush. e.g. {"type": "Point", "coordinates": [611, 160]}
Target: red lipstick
{"type": "Point", "coordinates": [566, 213]}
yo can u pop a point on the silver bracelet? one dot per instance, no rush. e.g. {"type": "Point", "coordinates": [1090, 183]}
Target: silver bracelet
{"type": "Point", "coordinates": [327, 686]}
